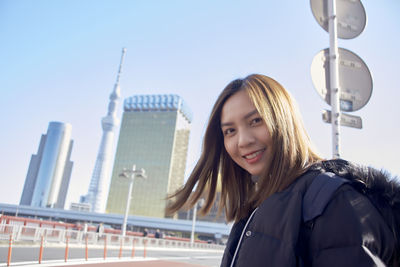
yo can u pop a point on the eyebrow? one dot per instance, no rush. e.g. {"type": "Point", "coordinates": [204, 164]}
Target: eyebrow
{"type": "Point", "coordinates": [248, 115]}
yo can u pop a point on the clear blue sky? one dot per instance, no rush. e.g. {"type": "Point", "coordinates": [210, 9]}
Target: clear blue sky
{"type": "Point", "coordinates": [59, 60]}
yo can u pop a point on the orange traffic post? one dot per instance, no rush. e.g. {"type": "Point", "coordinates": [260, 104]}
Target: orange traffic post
{"type": "Point", "coordinates": [9, 251]}
{"type": "Point", "coordinates": [120, 248]}
{"type": "Point", "coordinates": [105, 247]}
{"type": "Point", "coordinates": [86, 248]}
{"type": "Point", "coordinates": [144, 248]}
{"type": "Point", "coordinates": [66, 250]}
{"type": "Point", "coordinates": [41, 250]}
{"type": "Point", "coordinates": [133, 248]}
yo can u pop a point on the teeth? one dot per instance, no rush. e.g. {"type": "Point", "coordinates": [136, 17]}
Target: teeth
{"type": "Point", "coordinates": [253, 155]}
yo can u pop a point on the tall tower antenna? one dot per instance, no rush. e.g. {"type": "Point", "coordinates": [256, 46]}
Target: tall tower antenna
{"type": "Point", "coordinates": [97, 192]}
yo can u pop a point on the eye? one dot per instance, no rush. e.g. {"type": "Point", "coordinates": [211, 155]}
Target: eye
{"type": "Point", "coordinates": [256, 121]}
{"type": "Point", "coordinates": [228, 131]}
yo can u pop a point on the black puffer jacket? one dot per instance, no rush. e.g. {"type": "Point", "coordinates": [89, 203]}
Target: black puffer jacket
{"type": "Point", "coordinates": [356, 228]}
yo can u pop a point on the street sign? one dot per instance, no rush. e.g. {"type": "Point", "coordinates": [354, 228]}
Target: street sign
{"type": "Point", "coordinates": [355, 80]}
{"type": "Point", "coordinates": [345, 119]}
{"type": "Point", "coordinates": [351, 17]}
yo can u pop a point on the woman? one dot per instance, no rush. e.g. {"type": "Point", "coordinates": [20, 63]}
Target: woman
{"type": "Point", "coordinates": [256, 144]}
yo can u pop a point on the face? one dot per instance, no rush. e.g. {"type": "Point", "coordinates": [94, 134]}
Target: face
{"type": "Point", "coordinates": [246, 137]}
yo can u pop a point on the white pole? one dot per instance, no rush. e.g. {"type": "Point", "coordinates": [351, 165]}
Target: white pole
{"type": "Point", "coordinates": [128, 200]}
{"type": "Point", "coordinates": [193, 224]}
{"type": "Point", "coordinates": [334, 78]}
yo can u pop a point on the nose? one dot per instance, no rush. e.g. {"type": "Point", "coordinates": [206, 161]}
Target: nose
{"type": "Point", "coordinates": [245, 138]}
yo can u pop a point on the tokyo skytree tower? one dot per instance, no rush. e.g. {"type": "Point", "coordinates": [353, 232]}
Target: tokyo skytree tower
{"type": "Point", "coordinates": [97, 193]}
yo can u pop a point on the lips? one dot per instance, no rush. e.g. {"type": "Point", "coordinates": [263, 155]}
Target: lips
{"type": "Point", "coordinates": [255, 156]}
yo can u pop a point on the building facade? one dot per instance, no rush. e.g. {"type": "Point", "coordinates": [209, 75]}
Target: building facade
{"type": "Point", "coordinates": [154, 135]}
{"type": "Point", "coordinates": [49, 172]}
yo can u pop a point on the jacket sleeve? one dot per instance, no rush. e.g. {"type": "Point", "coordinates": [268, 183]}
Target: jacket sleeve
{"type": "Point", "coordinates": [350, 232]}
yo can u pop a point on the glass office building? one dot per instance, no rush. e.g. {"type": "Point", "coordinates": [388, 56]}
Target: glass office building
{"type": "Point", "coordinates": [49, 173]}
{"type": "Point", "coordinates": [154, 136]}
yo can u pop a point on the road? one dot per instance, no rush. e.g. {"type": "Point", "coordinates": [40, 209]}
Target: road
{"type": "Point", "coordinates": [154, 256]}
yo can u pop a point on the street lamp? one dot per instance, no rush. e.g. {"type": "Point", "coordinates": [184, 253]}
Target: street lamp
{"type": "Point", "coordinates": [130, 174]}
{"type": "Point", "coordinates": [200, 202]}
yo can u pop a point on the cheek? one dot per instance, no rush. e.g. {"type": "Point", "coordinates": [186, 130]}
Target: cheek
{"type": "Point", "coordinates": [264, 136]}
{"type": "Point", "coordinates": [229, 147]}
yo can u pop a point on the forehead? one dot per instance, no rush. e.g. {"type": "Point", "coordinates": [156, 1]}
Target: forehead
{"type": "Point", "coordinates": [237, 107]}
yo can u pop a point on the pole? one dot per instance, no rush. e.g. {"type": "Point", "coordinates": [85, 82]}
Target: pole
{"type": "Point", "coordinates": [334, 78]}
{"type": "Point", "coordinates": [128, 200]}
{"type": "Point", "coordinates": [133, 248]}
{"type": "Point", "coordinates": [120, 247]}
{"type": "Point", "coordinates": [144, 247]}
{"type": "Point", "coordinates": [193, 224]}
{"type": "Point", "coordinates": [9, 251]}
{"type": "Point", "coordinates": [41, 250]}
{"type": "Point", "coordinates": [86, 248]}
{"type": "Point", "coordinates": [105, 248]}
{"type": "Point", "coordinates": [66, 250]}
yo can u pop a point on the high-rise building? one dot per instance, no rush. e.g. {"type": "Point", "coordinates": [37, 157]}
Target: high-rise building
{"type": "Point", "coordinates": [49, 172]}
{"type": "Point", "coordinates": [154, 135]}
{"type": "Point", "coordinates": [98, 187]}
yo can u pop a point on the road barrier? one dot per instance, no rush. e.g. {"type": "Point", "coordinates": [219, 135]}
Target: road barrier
{"type": "Point", "coordinates": [55, 235]}
{"type": "Point", "coordinates": [120, 248]}
{"type": "Point", "coordinates": [86, 248]}
{"type": "Point", "coordinates": [66, 250]}
{"type": "Point", "coordinates": [41, 250]}
{"type": "Point", "coordinates": [105, 249]}
{"type": "Point", "coordinates": [144, 248]}
{"type": "Point", "coordinates": [9, 251]}
{"type": "Point", "coordinates": [133, 248]}
{"type": "Point", "coordinates": [44, 236]}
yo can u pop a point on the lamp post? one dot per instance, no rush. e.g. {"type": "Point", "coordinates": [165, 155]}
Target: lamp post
{"type": "Point", "coordinates": [130, 174]}
{"type": "Point", "coordinates": [200, 203]}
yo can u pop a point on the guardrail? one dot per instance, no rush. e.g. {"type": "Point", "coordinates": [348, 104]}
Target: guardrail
{"type": "Point", "coordinates": [44, 236]}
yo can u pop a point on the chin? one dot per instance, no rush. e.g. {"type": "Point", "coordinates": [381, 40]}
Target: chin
{"type": "Point", "coordinates": [255, 173]}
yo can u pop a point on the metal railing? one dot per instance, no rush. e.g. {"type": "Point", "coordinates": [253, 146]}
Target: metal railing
{"type": "Point", "coordinates": [48, 236]}
{"type": "Point", "coordinates": [55, 235]}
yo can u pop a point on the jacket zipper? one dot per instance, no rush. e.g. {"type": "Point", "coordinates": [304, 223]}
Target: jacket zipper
{"type": "Point", "coordinates": [241, 237]}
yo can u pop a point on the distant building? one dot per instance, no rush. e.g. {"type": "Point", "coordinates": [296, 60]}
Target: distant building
{"type": "Point", "coordinates": [212, 216]}
{"type": "Point", "coordinates": [154, 135]}
{"type": "Point", "coordinates": [80, 207]}
{"type": "Point", "coordinates": [97, 193]}
{"type": "Point", "coordinates": [49, 172]}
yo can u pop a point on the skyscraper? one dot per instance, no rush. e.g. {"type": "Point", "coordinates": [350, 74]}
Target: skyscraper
{"type": "Point", "coordinates": [49, 172]}
{"type": "Point", "coordinates": [97, 193]}
{"type": "Point", "coordinates": [154, 136]}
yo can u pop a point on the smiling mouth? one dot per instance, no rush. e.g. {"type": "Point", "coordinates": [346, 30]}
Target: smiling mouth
{"type": "Point", "coordinates": [255, 156]}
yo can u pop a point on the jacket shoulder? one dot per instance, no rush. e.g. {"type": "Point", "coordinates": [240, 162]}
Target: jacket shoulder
{"type": "Point", "coordinates": [319, 193]}
{"type": "Point", "coordinates": [348, 227]}
{"type": "Point", "coordinates": [382, 190]}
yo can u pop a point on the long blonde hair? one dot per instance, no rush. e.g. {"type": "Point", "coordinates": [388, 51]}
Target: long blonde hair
{"type": "Point", "coordinates": [292, 153]}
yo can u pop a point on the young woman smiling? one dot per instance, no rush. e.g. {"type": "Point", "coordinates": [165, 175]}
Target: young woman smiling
{"type": "Point", "coordinates": [256, 144]}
